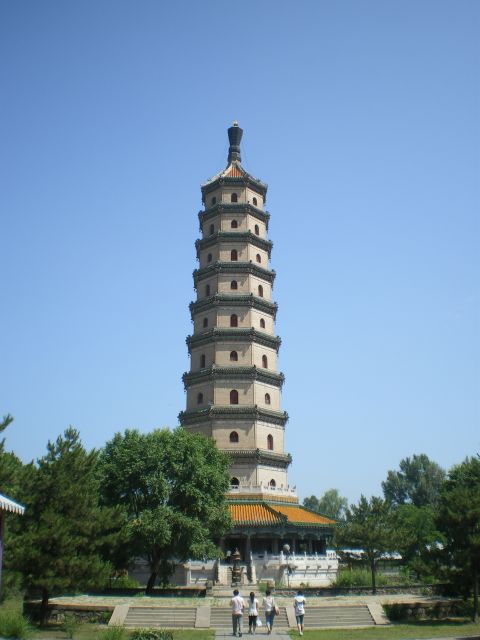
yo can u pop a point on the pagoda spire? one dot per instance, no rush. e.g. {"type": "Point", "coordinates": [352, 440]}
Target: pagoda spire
{"type": "Point", "coordinates": [235, 134]}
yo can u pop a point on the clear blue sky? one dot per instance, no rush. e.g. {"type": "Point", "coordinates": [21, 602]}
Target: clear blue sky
{"type": "Point", "coordinates": [363, 118]}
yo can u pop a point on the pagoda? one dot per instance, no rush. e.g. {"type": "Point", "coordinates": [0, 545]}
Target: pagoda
{"type": "Point", "coordinates": [233, 388]}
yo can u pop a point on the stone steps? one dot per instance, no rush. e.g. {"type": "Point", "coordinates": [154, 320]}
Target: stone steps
{"type": "Point", "coordinates": [221, 618]}
{"type": "Point", "coordinates": [342, 616]}
{"type": "Point", "coordinates": [161, 618]}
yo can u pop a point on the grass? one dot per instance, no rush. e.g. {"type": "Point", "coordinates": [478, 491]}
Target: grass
{"type": "Point", "coordinates": [427, 629]}
{"type": "Point", "coordinates": [95, 632]}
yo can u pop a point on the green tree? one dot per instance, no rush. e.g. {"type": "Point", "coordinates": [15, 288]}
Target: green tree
{"type": "Point", "coordinates": [415, 534]}
{"type": "Point", "coordinates": [172, 485]}
{"type": "Point", "coordinates": [62, 537]}
{"type": "Point", "coordinates": [459, 520]}
{"type": "Point", "coordinates": [330, 504]}
{"type": "Point", "coordinates": [418, 482]}
{"type": "Point", "coordinates": [10, 465]}
{"type": "Point", "coordinates": [368, 527]}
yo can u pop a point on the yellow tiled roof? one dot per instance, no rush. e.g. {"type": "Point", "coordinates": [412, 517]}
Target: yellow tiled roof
{"type": "Point", "coordinates": [262, 512]}
{"type": "Point", "coordinates": [256, 513]}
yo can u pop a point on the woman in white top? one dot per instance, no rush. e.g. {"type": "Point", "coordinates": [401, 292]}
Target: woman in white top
{"type": "Point", "coordinates": [299, 605]}
{"type": "Point", "coordinates": [252, 613]}
{"type": "Point", "coordinates": [269, 606]}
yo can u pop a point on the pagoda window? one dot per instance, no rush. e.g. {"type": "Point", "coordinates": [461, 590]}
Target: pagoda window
{"type": "Point", "coordinates": [270, 442]}
{"type": "Point", "coordinates": [257, 230]}
{"type": "Point", "coordinates": [205, 323]}
{"type": "Point", "coordinates": [207, 290]}
{"type": "Point", "coordinates": [209, 257]}
{"type": "Point", "coordinates": [267, 401]}
{"type": "Point", "coordinates": [272, 483]}
{"type": "Point", "coordinates": [212, 229]}
{"type": "Point", "coordinates": [258, 258]}
{"type": "Point", "coordinates": [265, 362]}
{"type": "Point", "coordinates": [262, 323]}
{"type": "Point", "coordinates": [234, 224]}
{"type": "Point", "coordinates": [234, 482]}
{"type": "Point", "coordinates": [254, 202]}
{"type": "Point", "coordinates": [214, 200]}
{"type": "Point", "coordinates": [234, 320]}
{"type": "Point", "coordinates": [234, 255]}
{"type": "Point", "coordinates": [202, 361]}
{"type": "Point", "coordinates": [233, 356]}
{"type": "Point", "coordinates": [200, 398]}
{"type": "Point", "coordinates": [234, 285]}
{"type": "Point", "coordinates": [234, 436]}
{"type": "Point", "coordinates": [234, 197]}
{"type": "Point", "coordinates": [260, 291]}
{"type": "Point", "coordinates": [233, 396]}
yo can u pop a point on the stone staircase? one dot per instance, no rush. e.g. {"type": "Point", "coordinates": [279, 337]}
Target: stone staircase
{"type": "Point", "coordinates": [221, 618]}
{"type": "Point", "coordinates": [161, 618]}
{"type": "Point", "coordinates": [340, 616]}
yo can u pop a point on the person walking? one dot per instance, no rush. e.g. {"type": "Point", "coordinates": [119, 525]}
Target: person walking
{"type": "Point", "coordinates": [270, 609]}
{"type": "Point", "coordinates": [252, 613]}
{"type": "Point", "coordinates": [238, 605]}
{"type": "Point", "coordinates": [299, 606]}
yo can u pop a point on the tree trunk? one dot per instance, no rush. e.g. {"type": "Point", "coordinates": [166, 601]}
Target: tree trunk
{"type": "Point", "coordinates": [151, 582]}
{"type": "Point", "coordinates": [373, 569]}
{"type": "Point", "coordinates": [475, 593]}
{"type": "Point", "coordinates": [44, 606]}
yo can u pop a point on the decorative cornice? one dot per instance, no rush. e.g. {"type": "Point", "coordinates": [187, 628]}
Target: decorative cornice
{"type": "Point", "coordinates": [231, 268]}
{"type": "Point", "coordinates": [233, 373]}
{"type": "Point", "coordinates": [232, 412]}
{"type": "Point", "coordinates": [233, 300]}
{"type": "Point", "coordinates": [231, 237]}
{"type": "Point", "coordinates": [237, 207]}
{"type": "Point", "coordinates": [260, 456]}
{"type": "Point", "coordinates": [230, 334]}
{"type": "Point", "coordinates": [245, 180]}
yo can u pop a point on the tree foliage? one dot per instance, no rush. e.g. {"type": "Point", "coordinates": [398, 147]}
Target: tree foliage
{"type": "Point", "coordinates": [10, 465]}
{"type": "Point", "coordinates": [415, 534]}
{"type": "Point", "coordinates": [368, 527]}
{"type": "Point", "coordinates": [63, 536]}
{"type": "Point", "coordinates": [172, 485]}
{"type": "Point", "coordinates": [418, 482]}
{"type": "Point", "coordinates": [330, 504]}
{"type": "Point", "coordinates": [459, 520]}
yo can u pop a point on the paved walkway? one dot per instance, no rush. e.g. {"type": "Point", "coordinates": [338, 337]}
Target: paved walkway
{"type": "Point", "coordinates": [275, 635]}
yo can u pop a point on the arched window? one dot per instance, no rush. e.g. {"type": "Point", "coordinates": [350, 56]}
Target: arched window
{"type": "Point", "coordinates": [262, 323]}
{"type": "Point", "coordinates": [205, 323]}
{"type": "Point", "coordinates": [234, 224]}
{"type": "Point", "coordinates": [207, 290]}
{"type": "Point", "coordinates": [233, 356]}
{"type": "Point", "coordinates": [234, 436]}
{"type": "Point", "coordinates": [234, 255]}
{"type": "Point", "coordinates": [209, 257]}
{"type": "Point", "coordinates": [202, 361]}
{"type": "Point", "coordinates": [214, 200]}
{"type": "Point", "coordinates": [200, 398]}
{"type": "Point", "coordinates": [234, 482]}
{"type": "Point", "coordinates": [272, 483]}
{"type": "Point", "coordinates": [270, 442]}
{"type": "Point", "coordinates": [257, 230]}
{"type": "Point", "coordinates": [234, 197]}
{"type": "Point", "coordinates": [234, 320]}
{"type": "Point", "coordinates": [233, 396]}
{"type": "Point", "coordinates": [234, 285]}
{"type": "Point", "coordinates": [267, 398]}
{"type": "Point", "coordinates": [265, 362]}
{"type": "Point", "coordinates": [258, 258]}
{"type": "Point", "coordinates": [260, 291]}
{"type": "Point", "coordinates": [212, 229]}
{"type": "Point", "coordinates": [254, 202]}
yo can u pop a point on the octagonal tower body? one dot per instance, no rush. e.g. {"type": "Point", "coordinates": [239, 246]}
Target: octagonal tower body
{"type": "Point", "coordinates": [234, 385]}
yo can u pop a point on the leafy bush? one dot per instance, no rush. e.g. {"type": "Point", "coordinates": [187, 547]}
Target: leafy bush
{"type": "Point", "coordinates": [14, 625]}
{"type": "Point", "coordinates": [363, 578]}
{"type": "Point", "coordinates": [113, 633]}
{"type": "Point", "coordinates": [71, 626]}
{"type": "Point", "coordinates": [125, 582]}
{"type": "Point", "coordinates": [152, 634]}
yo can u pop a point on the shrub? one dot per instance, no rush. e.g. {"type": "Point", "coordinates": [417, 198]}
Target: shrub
{"type": "Point", "coordinates": [152, 634]}
{"type": "Point", "coordinates": [14, 625]}
{"type": "Point", "coordinates": [125, 582]}
{"type": "Point", "coordinates": [71, 626]}
{"type": "Point", "coordinates": [113, 633]}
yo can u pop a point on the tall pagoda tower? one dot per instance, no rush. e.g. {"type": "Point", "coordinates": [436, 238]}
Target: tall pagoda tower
{"type": "Point", "coordinates": [234, 386]}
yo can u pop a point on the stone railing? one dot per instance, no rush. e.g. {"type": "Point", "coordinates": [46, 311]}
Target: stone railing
{"type": "Point", "coordinates": [252, 489]}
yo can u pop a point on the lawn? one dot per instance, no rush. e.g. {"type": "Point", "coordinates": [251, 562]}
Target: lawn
{"type": "Point", "coordinates": [94, 632]}
{"type": "Point", "coordinates": [423, 629]}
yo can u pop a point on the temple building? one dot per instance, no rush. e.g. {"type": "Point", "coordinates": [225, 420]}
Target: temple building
{"type": "Point", "coordinates": [233, 388]}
